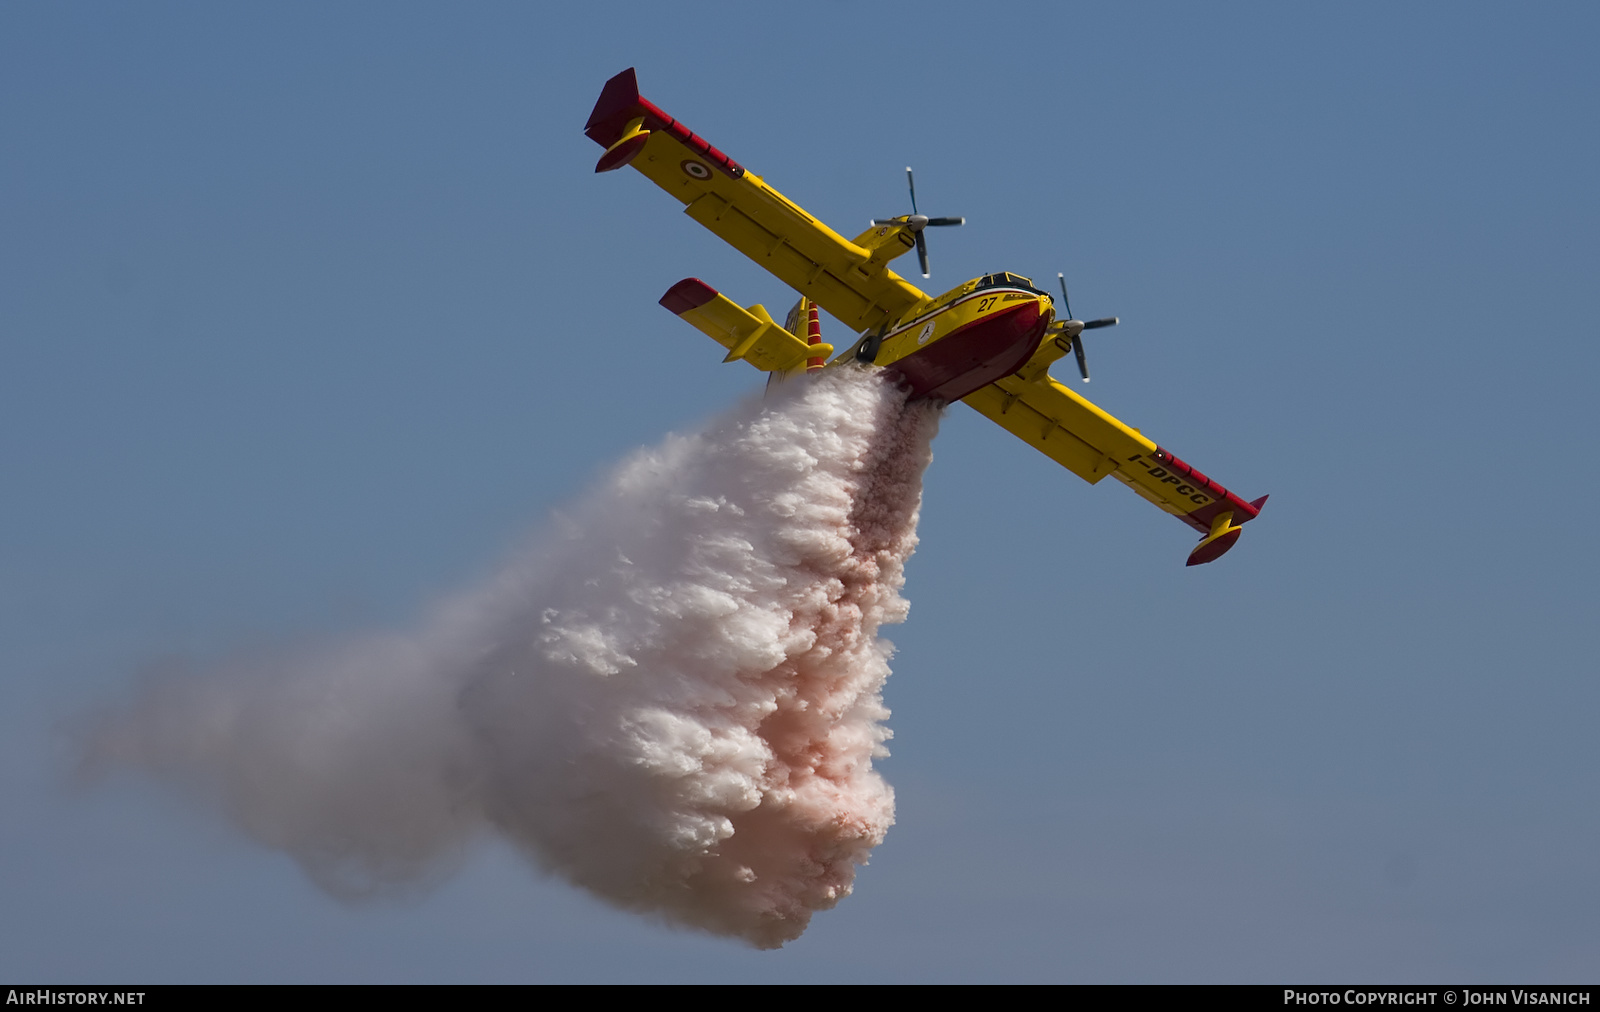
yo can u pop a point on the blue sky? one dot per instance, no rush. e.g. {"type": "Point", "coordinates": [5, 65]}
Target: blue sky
{"type": "Point", "coordinates": [308, 313]}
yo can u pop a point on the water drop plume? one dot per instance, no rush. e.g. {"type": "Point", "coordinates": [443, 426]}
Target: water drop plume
{"type": "Point", "coordinates": [673, 700]}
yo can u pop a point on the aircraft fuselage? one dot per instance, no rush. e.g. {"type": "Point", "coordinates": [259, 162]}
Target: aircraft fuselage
{"type": "Point", "coordinates": [965, 339]}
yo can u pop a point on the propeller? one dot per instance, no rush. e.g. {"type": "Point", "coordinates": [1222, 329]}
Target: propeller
{"type": "Point", "coordinates": [917, 222]}
{"type": "Point", "coordinates": [1077, 339]}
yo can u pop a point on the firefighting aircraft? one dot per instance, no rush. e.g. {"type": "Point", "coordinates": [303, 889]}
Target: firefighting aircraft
{"type": "Point", "coordinates": [988, 342]}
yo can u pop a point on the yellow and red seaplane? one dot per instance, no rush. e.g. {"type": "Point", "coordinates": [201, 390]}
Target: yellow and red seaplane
{"type": "Point", "coordinates": [989, 342]}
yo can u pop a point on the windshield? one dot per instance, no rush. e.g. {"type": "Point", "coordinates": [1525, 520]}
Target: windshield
{"type": "Point", "coordinates": [1008, 280]}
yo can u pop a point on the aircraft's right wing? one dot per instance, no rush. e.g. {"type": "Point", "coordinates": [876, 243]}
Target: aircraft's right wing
{"type": "Point", "coordinates": [850, 281]}
{"type": "Point", "coordinates": [1090, 443]}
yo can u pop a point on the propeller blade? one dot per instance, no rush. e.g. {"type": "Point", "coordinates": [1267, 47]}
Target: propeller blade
{"type": "Point", "coordinates": [916, 221]}
{"type": "Point", "coordinates": [1077, 342]}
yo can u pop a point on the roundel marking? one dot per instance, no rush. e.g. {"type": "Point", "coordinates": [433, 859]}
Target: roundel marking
{"type": "Point", "coordinates": [695, 169]}
{"type": "Point", "coordinates": [927, 332]}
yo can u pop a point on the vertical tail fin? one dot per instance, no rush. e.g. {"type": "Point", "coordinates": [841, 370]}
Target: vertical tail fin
{"type": "Point", "coordinates": [805, 322]}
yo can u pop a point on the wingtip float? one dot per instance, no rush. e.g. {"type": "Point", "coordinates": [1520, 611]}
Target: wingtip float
{"type": "Point", "coordinates": [988, 342]}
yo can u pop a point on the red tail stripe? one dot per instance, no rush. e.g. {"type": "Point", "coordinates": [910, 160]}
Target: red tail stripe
{"type": "Point", "coordinates": [814, 336]}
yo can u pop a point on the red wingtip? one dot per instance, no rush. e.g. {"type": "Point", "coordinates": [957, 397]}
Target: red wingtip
{"type": "Point", "coordinates": [618, 100]}
{"type": "Point", "coordinates": [690, 293]}
{"type": "Point", "coordinates": [1258, 503]}
{"type": "Point", "coordinates": [1210, 551]}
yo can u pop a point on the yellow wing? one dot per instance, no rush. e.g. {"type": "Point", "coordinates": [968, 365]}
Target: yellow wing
{"type": "Point", "coordinates": [849, 279]}
{"type": "Point", "coordinates": [1090, 443]}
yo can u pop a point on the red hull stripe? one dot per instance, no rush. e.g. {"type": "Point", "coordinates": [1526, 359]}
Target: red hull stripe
{"type": "Point", "coordinates": [1223, 500]}
{"type": "Point", "coordinates": [974, 356]}
{"type": "Point", "coordinates": [918, 321]}
{"type": "Point", "coordinates": [690, 293]}
{"type": "Point", "coordinates": [620, 102]}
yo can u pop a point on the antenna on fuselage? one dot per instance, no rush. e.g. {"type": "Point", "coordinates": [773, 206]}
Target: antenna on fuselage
{"type": "Point", "coordinates": [917, 222]}
{"type": "Point", "coordinates": [1077, 337]}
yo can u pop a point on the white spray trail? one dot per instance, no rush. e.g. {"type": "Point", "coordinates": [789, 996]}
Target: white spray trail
{"type": "Point", "coordinates": [675, 703]}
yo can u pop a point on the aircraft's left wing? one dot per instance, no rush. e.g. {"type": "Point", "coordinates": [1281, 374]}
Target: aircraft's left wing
{"type": "Point", "coordinates": [1092, 444]}
{"type": "Point", "coordinates": [851, 282]}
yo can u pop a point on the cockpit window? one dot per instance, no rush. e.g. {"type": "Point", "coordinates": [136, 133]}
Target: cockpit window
{"type": "Point", "coordinates": [1009, 280]}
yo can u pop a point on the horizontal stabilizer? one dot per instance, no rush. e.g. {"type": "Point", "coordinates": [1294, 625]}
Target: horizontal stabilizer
{"type": "Point", "coordinates": [748, 334]}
